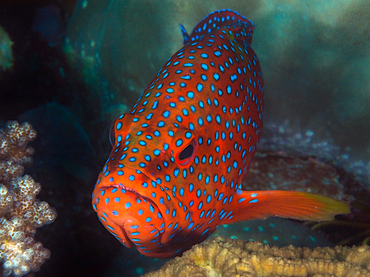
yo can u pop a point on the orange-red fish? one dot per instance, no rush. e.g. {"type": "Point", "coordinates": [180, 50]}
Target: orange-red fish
{"type": "Point", "coordinates": [180, 155]}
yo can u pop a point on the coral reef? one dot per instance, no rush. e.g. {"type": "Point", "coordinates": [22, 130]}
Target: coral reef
{"type": "Point", "coordinates": [228, 257]}
{"type": "Point", "coordinates": [300, 141]}
{"type": "Point", "coordinates": [21, 213]}
{"type": "Point", "coordinates": [278, 170]}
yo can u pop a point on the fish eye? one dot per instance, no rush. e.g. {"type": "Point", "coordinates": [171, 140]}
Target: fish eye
{"type": "Point", "coordinates": [188, 153]}
{"type": "Point", "coordinates": [112, 138]}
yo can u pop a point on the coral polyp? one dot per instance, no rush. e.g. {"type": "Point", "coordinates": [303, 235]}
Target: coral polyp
{"type": "Point", "coordinates": [21, 213]}
{"type": "Point", "coordinates": [228, 257]}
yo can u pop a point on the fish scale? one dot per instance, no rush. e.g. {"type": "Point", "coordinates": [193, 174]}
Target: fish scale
{"type": "Point", "coordinates": [180, 155]}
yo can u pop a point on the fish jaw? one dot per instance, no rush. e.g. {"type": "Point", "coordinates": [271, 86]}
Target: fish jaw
{"type": "Point", "coordinates": [126, 212]}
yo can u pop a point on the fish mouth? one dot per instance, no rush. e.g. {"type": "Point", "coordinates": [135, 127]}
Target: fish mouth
{"type": "Point", "coordinates": [138, 188]}
{"type": "Point", "coordinates": [139, 194]}
{"type": "Point", "coordinates": [123, 205]}
{"type": "Point", "coordinates": [145, 178]}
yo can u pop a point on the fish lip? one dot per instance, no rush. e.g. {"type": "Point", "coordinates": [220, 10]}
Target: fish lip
{"type": "Point", "coordinates": [120, 185]}
{"type": "Point", "coordinates": [149, 200]}
{"type": "Point", "coordinates": [130, 189]}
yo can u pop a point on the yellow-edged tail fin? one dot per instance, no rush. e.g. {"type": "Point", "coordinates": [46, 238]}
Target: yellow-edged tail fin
{"type": "Point", "coordinates": [289, 204]}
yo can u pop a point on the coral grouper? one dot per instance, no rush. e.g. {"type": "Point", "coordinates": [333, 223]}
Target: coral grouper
{"type": "Point", "coordinates": [180, 155]}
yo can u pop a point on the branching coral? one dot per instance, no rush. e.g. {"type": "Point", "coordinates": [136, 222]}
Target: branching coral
{"type": "Point", "coordinates": [21, 213]}
{"type": "Point", "coordinates": [227, 257]}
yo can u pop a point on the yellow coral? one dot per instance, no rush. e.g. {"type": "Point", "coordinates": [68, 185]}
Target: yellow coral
{"type": "Point", "coordinates": [21, 213]}
{"type": "Point", "coordinates": [231, 258]}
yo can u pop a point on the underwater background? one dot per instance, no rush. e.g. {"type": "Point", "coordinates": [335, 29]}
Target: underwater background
{"type": "Point", "coordinates": [69, 68]}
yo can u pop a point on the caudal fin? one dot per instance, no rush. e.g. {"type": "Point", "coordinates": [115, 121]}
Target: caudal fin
{"type": "Point", "coordinates": [289, 204]}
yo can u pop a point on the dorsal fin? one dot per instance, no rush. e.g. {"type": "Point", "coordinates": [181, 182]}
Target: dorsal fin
{"type": "Point", "coordinates": [238, 24]}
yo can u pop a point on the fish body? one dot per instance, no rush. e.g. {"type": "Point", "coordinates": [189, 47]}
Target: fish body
{"type": "Point", "coordinates": [180, 155]}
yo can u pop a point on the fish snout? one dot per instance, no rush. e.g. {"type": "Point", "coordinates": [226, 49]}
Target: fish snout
{"type": "Point", "coordinates": [132, 218]}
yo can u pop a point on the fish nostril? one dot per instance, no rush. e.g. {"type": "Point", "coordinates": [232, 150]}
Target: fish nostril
{"type": "Point", "coordinates": [186, 153]}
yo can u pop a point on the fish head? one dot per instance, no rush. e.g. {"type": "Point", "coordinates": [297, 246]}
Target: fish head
{"type": "Point", "coordinates": [136, 195]}
{"type": "Point", "coordinates": [122, 208]}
